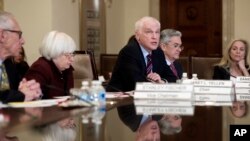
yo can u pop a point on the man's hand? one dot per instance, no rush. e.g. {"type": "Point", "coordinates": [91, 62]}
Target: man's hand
{"type": "Point", "coordinates": [31, 89]}
{"type": "Point", "coordinates": [155, 77]}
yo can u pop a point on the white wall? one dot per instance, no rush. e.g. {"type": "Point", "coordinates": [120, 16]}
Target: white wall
{"type": "Point", "coordinates": [121, 16]}
{"type": "Point", "coordinates": [242, 19]}
{"type": "Point", "coordinates": [38, 17]}
{"type": "Point", "coordinates": [34, 17]}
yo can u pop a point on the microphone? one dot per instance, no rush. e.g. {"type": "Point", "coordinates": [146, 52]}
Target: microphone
{"type": "Point", "coordinates": [116, 89]}
{"type": "Point", "coordinates": [67, 93]}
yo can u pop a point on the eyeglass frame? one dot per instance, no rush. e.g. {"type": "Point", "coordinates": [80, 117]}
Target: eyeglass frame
{"type": "Point", "coordinates": [15, 31]}
{"type": "Point", "coordinates": [175, 45]}
{"type": "Point", "coordinates": [69, 55]}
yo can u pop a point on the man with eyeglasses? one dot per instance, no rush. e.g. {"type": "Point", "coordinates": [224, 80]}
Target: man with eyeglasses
{"type": "Point", "coordinates": [11, 40]}
{"type": "Point", "coordinates": [171, 47]}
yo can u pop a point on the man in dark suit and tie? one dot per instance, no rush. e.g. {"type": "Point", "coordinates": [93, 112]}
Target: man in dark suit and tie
{"type": "Point", "coordinates": [171, 45]}
{"type": "Point", "coordinates": [11, 41]}
{"type": "Point", "coordinates": [138, 62]}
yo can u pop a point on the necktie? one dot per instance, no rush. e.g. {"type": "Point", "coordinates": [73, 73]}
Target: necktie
{"type": "Point", "coordinates": [149, 63]}
{"type": "Point", "coordinates": [174, 70]}
{"type": "Point", "coordinates": [4, 82]}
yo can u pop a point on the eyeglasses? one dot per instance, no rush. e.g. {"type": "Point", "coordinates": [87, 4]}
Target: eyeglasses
{"type": "Point", "coordinates": [69, 55]}
{"type": "Point", "coordinates": [15, 31]}
{"type": "Point", "coordinates": [175, 45]}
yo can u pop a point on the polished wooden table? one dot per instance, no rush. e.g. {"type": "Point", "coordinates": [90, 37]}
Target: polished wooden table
{"type": "Point", "coordinates": [50, 123]}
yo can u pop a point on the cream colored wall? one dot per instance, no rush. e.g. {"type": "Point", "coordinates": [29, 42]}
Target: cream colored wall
{"type": "Point", "coordinates": [34, 17]}
{"type": "Point", "coordinates": [242, 20]}
{"type": "Point", "coordinates": [38, 17]}
{"type": "Point", "coordinates": [121, 16]}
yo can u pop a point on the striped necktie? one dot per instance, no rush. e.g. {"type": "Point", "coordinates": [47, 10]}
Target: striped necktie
{"type": "Point", "coordinates": [4, 82]}
{"type": "Point", "coordinates": [149, 63]}
{"type": "Point", "coordinates": [174, 70]}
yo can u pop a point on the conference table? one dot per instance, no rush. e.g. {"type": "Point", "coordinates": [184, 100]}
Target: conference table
{"type": "Point", "coordinates": [47, 123]}
{"type": "Point", "coordinates": [55, 122]}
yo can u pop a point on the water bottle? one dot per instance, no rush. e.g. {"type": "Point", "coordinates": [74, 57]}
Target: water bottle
{"type": "Point", "coordinates": [82, 93]}
{"type": "Point", "coordinates": [184, 78]}
{"type": "Point", "coordinates": [97, 93]}
{"type": "Point", "coordinates": [194, 76]}
{"type": "Point", "coordinates": [98, 115]}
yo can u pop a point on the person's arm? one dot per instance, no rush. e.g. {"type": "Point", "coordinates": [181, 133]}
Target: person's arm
{"type": "Point", "coordinates": [11, 96]}
{"type": "Point", "coordinates": [243, 68]}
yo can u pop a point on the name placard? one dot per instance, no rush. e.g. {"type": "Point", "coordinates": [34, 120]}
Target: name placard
{"type": "Point", "coordinates": [163, 95]}
{"type": "Point", "coordinates": [242, 97]}
{"type": "Point", "coordinates": [243, 79]}
{"type": "Point", "coordinates": [212, 97]}
{"type": "Point", "coordinates": [213, 92]}
{"type": "Point", "coordinates": [213, 83]}
{"type": "Point", "coordinates": [171, 87]}
{"type": "Point", "coordinates": [152, 110]}
{"type": "Point", "coordinates": [242, 88]}
{"type": "Point", "coordinates": [161, 102]}
{"type": "Point", "coordinates": [212, 103]}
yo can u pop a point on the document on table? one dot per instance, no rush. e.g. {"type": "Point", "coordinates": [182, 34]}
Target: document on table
{"type": "Point", "coordinates": [37, 103]}
{"type": "Point", "coordinates": [118, 94]}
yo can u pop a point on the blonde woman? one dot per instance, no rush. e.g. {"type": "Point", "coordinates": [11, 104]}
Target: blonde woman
{"type": "Point", "coordinates": [235, 62]}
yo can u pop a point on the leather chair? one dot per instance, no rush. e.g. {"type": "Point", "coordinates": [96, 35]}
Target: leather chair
{"type": "Point", "coordinates": [84, 67]}
{"type": "Point", "coordinates": [204, 66]}
{"type": "Point", "coordinates": [107, 63]}
{"type": "Point", "coordinates": [185, 63]}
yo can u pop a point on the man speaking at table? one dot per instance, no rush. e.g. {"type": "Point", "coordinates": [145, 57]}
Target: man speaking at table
{"type": "Point", "coordinates": [137, 62]}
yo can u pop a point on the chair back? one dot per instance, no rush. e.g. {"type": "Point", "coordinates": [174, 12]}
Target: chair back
{"type": "Point", "coordinates": [107, 63]}
{"type": "Point", "coordinates": [185, 61]}
{"type": "Point", "coordinates": [203, 66]}
{"type": "Point", "coordinates": [84, 67]}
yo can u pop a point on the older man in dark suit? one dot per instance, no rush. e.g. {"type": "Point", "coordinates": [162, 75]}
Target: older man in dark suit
{"type": "Point", "coordinates": [138, 62]}
{"type": "Point", "coordinates": [11, 41]}
{"type": "Point", "coordinates": [171, 45]}
{"type": "Point", "coordinates": [132, 64]}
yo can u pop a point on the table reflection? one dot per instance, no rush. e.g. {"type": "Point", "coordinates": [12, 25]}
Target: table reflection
{"type": "Point", "coordinates": [119, 122]}
{"type": "Point", "coordinates": [63, 130]}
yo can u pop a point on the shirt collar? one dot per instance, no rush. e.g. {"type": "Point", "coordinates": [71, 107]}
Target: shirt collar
{"type": "Point", "coordinates": [145, 53]}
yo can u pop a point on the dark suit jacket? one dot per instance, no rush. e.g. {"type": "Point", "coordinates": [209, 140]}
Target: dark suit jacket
{"type": "Point", "coordinates": [53, 82]}
{"type": "Point", "coordinates": [222, 73]}
{"type": "Point", "coordinates": [168, 73]}
{"type": "Point", "coordinates": [129, 69]}
{"type": "Point", "coordinates": [13, 94]}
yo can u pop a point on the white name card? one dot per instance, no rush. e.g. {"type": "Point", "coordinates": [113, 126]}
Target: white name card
{"type": "Point", "coordinates": [242, 97]}
{"type": "Point", "coordinates": [163, 95]}
{"type": "Point", "coordinates": [212, 103]}
{"type": "Point", "coordinates": [242, 85]}
{"type": "Point", "coordinates": [213, 83]}
{"type": "Point", "coordinates": [211, 97]}
{"type": "Point", "coordinates": [157, 110]}
{"type": "Point", "coordinates": [212, 90]}
{"type": "Point", "coordinates": [242, 91]}
{"type": "Point", "coordinates": [243, 79]}
{"type": "Point", "coordinates": [161, 102]}
{"type": "Point", "coordinates": [172, 87]}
